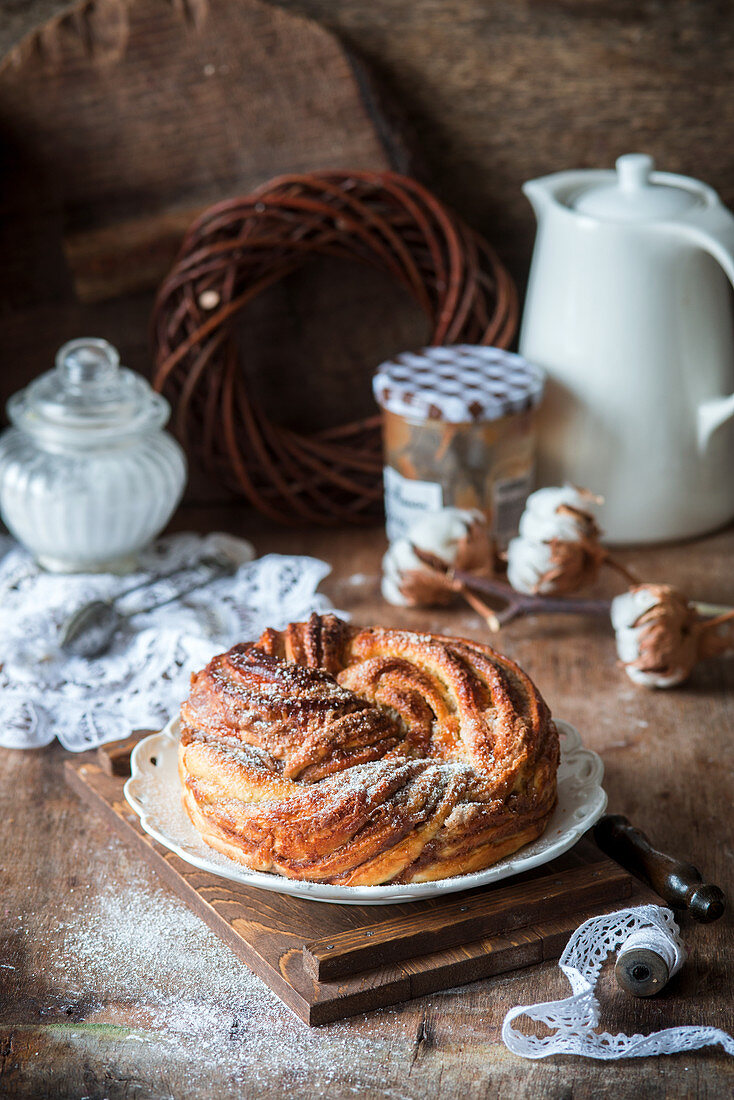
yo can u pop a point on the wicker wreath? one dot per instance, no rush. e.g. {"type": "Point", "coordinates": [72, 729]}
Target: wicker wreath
{"type": "Point", "coordinates": [237, 249]}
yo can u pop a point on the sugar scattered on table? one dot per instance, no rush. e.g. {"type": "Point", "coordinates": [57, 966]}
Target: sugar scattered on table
{"type": "Point", "coordinates": [167, 979]}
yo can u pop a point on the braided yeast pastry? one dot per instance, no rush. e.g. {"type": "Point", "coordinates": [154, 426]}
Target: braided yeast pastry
{"type": "Point", "coordinates": [363, 757]}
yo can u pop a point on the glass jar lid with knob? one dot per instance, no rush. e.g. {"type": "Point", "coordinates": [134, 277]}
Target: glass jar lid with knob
{"type": "Point", "coordinates": [88, 399]}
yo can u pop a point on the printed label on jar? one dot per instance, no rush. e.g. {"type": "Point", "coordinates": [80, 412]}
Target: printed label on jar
{"type": "Point", "coordinates": [509, 503]}
{"type": "Point", "coordinates": [405, 499]}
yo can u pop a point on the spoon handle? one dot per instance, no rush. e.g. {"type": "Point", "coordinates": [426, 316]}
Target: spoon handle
{"type": "Point", "coordinates": [150, 581]}
{"type": "Point", "coordinates": [217, 570]}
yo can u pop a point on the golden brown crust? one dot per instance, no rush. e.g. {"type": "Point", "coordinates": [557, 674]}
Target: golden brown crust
{"type": "Point", "coordinates": [369, 756]}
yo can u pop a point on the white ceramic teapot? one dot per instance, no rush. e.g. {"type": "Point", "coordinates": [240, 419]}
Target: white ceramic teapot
{"type": "Point", "coordinates": [629, 310]}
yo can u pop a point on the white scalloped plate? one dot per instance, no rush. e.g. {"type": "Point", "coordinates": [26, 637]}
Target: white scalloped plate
{"type": "Point", "coordinates": [153, 791]}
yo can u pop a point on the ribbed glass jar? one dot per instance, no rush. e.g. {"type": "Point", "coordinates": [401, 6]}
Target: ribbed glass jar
{"type": "Point", "coordinates": [87, 475]}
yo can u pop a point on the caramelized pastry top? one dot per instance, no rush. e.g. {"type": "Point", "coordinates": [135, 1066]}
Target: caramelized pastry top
{"type": "Point", "coordinates": [367, 756]}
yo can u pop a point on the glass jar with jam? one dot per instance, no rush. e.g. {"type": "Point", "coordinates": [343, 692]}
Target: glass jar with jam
{"type": "Point", "coordinates": [459, 430]}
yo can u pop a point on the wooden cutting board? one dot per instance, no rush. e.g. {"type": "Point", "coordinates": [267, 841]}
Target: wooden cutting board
{"type": "Point", "coordinates": [328, 961]}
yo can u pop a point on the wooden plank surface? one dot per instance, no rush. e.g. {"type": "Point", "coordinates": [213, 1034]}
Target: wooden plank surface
{"type": "Point", "coordinates": [132, 116]}
{"type": "Point", "coordinates": [520, 905]}
{"type": "Point", "coordinates": [117, 990]}
{"type": "Point", "coordinates": [500, 92]}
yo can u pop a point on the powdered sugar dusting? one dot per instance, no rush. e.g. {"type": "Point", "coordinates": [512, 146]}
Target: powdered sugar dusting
{"type": "Point", "coordinates": [154, 975]}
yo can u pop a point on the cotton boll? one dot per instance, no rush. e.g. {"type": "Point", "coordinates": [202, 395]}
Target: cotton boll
{"type": "Point", "coordinates": [557, 550]}
{"type": "Point", "coordinates": [445, 533]}
{"type": "Point", "coordinates": [558, 513]}
{"type": "Point", "coordinates": [657, 635]}
{"type": "Point", "coordinates": [455, 537]}
{"type": "Point", "coordinates": [528, 563]}
{"type": "Point", "coordinates": [399, 560]}
{"type": "Point", "coordinates": [627, 609]}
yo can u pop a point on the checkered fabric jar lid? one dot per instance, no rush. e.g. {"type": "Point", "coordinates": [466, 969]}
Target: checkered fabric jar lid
{"type": "Point", "coordinates": [458, 384]}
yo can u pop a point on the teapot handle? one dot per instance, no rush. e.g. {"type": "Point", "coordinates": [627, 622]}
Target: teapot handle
{"type": "Point", "coordinates": [711, 229]}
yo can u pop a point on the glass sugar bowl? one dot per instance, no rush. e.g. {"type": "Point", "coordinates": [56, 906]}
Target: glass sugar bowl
{"type": "Point", "coordinates": [458, 430]}
{"type": "Point", "coordinates": [87, 475]}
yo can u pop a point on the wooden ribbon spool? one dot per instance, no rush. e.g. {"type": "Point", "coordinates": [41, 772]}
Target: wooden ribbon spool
{"type": "Point", "coordinates": [641, 971]}
{"type": "Point", "coordinates": [235, 251]}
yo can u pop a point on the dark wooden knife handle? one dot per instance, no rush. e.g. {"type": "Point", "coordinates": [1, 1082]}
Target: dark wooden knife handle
{"type": "Point", "coordinates": [680, 884]}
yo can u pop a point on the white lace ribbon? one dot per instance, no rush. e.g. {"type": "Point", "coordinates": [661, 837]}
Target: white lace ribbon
{"type": "Point", "coordinates": [141, 681]}
{"type": "Point", "coordinates": [574, 1020]}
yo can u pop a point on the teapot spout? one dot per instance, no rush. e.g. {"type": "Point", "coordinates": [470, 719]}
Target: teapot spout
{"type": "Point", "coordinates": [559, 189]}
{"type": "Point", "coordinates": [539, 195]}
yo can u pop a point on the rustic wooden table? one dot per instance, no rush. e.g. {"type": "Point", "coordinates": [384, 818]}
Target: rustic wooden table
{"type": "Point", "coordinates": [111, 988]}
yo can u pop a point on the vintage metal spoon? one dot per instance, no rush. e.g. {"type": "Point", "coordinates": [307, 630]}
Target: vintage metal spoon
{"type": "Point", "coordinates": [89, 632]}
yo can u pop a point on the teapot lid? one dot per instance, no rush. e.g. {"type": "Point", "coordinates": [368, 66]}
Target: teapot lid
{"type": "Point", "coordinates": [87, 398]}
{"type": "Point", "coordinates": [632, 196]}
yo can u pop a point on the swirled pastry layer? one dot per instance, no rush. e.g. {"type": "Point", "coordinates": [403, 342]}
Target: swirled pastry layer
{"type": "Point", "coordinates": [368, 756]}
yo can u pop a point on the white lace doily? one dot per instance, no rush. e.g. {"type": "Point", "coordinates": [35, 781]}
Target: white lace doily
{"type": "Point", "coordinates": [140, 683]}
{"type": "Point", "coordinates": [573, 1021]}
